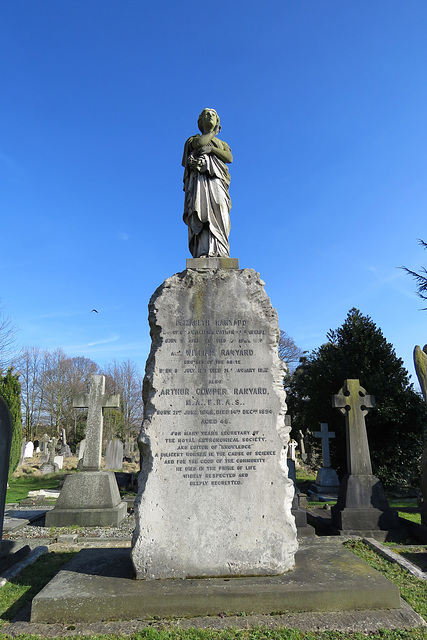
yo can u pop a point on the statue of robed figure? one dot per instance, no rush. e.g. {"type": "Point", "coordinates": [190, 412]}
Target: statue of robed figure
{"type": "Point", "coordinates": [207, 202]}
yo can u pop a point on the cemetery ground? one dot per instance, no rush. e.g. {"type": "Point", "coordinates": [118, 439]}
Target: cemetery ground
{"type": "Point", "coordinates": [61, 544]}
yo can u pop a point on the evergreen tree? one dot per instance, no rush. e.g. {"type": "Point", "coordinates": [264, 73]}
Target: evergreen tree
{"type": "Point", "coordinates": [10, 390]}
{"type": "Point", "coordinates": [396, 425]}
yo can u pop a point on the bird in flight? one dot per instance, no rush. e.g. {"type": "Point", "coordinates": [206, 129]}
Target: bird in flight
{"type": "Point", "coordinates": [94, 310]}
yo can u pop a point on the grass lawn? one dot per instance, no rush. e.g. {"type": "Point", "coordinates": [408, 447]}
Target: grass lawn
{"type": "Point", "coordinates": [21, 485]}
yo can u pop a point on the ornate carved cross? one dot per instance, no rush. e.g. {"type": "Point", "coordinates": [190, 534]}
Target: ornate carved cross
{"type": "Point", "coordinates": [353, 401]}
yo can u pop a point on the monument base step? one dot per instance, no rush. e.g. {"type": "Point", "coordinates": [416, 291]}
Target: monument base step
{"type": "Point", "coordinates": [87, 517]}
{"type": "Point", "coordinates": [98, 585]}
{"type": "Point", "coordinates": [88, 499]}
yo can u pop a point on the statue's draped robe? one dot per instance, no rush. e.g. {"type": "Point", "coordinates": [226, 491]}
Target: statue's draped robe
{"type": "Point", "coordinates": [207, 202]}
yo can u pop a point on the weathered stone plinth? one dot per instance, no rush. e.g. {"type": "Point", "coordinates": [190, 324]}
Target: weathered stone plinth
{"type": "Point", "coordinates": [362, 505]}
{"type": "Point", "coordinates": [88, 499]}
{"type": "Point", "coordinates": [214, 496]}
{"type": "Point", "coordinates": [97, 585]}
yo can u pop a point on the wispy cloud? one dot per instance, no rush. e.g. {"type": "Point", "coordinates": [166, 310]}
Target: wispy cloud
{"type": "Point", "coordinates": [123, 236]}
{"type": "Point", "coordinates": [108, 340]}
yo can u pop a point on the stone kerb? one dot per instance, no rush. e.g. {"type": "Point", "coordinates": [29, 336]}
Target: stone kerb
{"type": "Point", "coordinates": [214, 497]}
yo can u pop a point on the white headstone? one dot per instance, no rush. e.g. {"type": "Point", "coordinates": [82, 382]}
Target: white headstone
{"type": "Point", "coordinates": [29, 450]}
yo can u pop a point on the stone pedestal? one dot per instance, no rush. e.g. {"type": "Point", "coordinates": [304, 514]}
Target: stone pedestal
{"type": "Point", "coordinates": [88, 499]}
{"type": "Point", "coordinates": [214, 497]}
{"type": "Point", "coordinates": [362, 505]}
{"type": "Point", "coordinates": [327, 484]}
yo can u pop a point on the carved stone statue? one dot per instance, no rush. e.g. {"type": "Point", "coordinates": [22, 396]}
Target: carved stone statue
{"type": "Point", "coordinates": [420, 360]}
{"type": "Point", "coordinates": [207, 202]}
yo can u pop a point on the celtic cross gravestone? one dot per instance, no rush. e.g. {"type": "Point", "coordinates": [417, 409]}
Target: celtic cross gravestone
{"type": "Point", "coordinates": [362, 504]}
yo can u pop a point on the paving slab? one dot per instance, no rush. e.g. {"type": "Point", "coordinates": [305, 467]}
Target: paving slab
{"type": "Point", "coordinates": [97, 585]}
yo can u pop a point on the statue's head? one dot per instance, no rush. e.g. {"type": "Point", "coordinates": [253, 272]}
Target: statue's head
{"type": "Point", "coordinates": [208, 117]}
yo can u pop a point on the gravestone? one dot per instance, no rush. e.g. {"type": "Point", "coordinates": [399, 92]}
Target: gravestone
{"type": "Point", "coordinates": [299, 501]}
{"type": "Point", "coordinates": [64, 449]}
{"type": "Point", "coordinates": [291, 450]}
{"type": "Point", "coordinates": [129, 453]}
{"type": "Point", "coordinates": [22, 456]}
{"type": "Point", "coordinates": [59, 461]}
{"type": "Point", "coordinates": [29, 450]}
{"type": "Point", "coordinates": [362, 506]}
{"type": "Point", "coordinates": [5, 444]}
{"type": "Point", "coordinates": [301, 445]}
{"type": "Point", "coordinates": [80, 451]}
{"type": "Point", "coordinates": [327, 483]}
{"type": "Point", "coordinates": [91, 497]}
{"type": "Point", "coordinates": [44, 442]}
{"type": "Point", "coordinates": [50, 466]}
{"type": "Point", "coordinates": [114, 455]}
{"type": "Point", "coordinates": [214, 496]}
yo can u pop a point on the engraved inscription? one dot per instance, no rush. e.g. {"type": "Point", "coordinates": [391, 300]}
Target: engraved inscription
{"type": "Point", "coordinates": [220, 352]}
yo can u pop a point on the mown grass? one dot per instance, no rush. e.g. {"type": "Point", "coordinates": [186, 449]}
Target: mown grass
{"type": "Point", "coordinates": [21, 590]}
{"type": "Point", "coordinates": [21, 485]}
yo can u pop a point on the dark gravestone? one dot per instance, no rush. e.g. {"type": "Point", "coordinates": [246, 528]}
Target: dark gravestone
{"type": "Point", "coordinates": [362, 505]}
{"type": "Point", "coordinates": [5, 443]}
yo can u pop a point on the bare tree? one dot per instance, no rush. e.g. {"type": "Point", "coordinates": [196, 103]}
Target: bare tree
{"type": "Point", "coordinates": [288, 351]}
{"type": "Point", "coordinates": [125, 378]}
{"type": "Point", "coordinates": [29, 364]}
{"type": "Point", "coordinates": [7, 340]}
{"type": "Point", "coordinates": [62, 378]}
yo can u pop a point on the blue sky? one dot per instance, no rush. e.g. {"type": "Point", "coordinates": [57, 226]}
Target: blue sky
{"type": "Point", "coordinates": [323, 103]}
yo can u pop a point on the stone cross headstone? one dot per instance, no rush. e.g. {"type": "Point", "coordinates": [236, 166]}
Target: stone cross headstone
{"type": "Point", "coordinates": [291, 450]}
{"type": "Point", "coordinates": [44, 447]}
{"type": "Point", "coordinates": [50, 466]}
{"type": "Point", "coordinates": [327, 483]}
{"type": "Point", "coordinates": [301, 444]}
{"type": "Point", "coordinates": [95, 401]}
{"type": "Point", "coordinates": [324, 434]}
{"type": "Point", "coordinates": [362, 504]}
{"type": "Point", "coordinates": [354, 403]}
{"type": "Point", "coordinates": [5, 443]}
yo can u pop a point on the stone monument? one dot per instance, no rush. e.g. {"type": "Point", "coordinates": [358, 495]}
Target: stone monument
{"type": "Point", "coordinates": [214, 497]}
{"type": "Point", "coordinates": [5, 444]}
{"type": "Point", "coordinates": [50, 466]}
{"type": "Point", "coordinates": [327, 484]}
{"type": "Point", "coordinates": [91, 497]}
{"type": "Point", "coordinates": [420, 360]}
{"type": "Point", "coordinates": [362, 505]}
{"type": "Point", "coordinates": [114, 455]}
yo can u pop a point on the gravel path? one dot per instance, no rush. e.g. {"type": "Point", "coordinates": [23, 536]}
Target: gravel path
{"type": "Point", "coordinates": [34, 530]}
